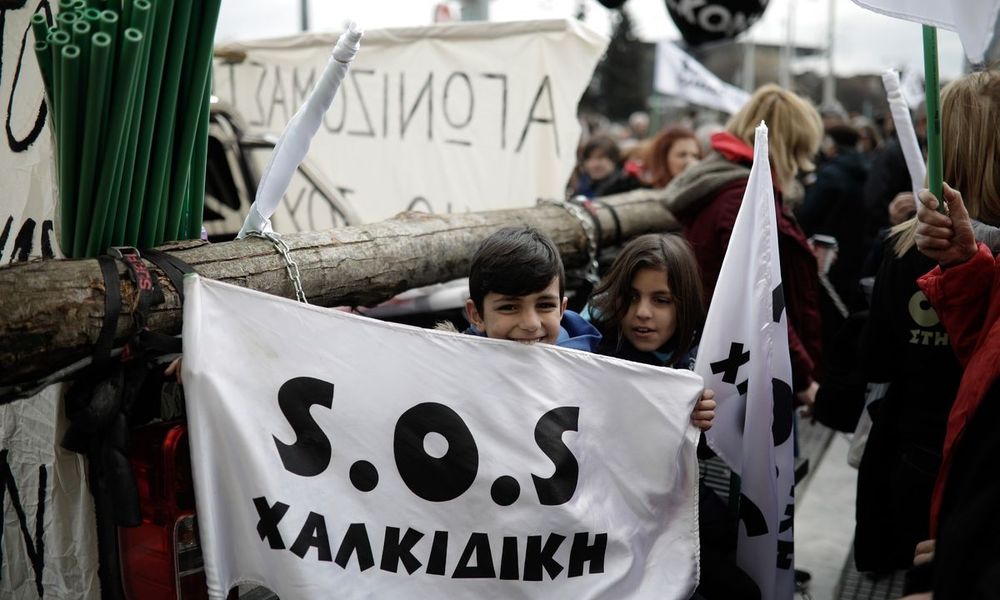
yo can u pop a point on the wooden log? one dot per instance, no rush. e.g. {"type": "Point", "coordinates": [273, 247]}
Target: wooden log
{"type": "Point", "coordinates": [51, 311]}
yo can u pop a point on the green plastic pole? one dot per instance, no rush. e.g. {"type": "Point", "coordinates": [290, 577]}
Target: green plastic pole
{"type": "Point", "coordinates": [106, 198]}
{"type": "Point", "coordinates": [58, 40]}
{"type": "Point", "coordinates": [140, 19]}
{"type": "Point", "coordinates": [935, 168]}
{"type": "Point", "coordinates": [67, 6]}
{"type": "Point", "coordinates": [67, 142]}
{"type": "Point", "coordinates": [98, 91]}
{"type": "Point", "coordinates": [92, 16]}
{"type": "Point", "coordinates": [162, 13]}
{"type": "Point", "coordinates": [40, 26]}
{"type": "Point", "coordinates": [65, 19]}
{"type": "Point", "coordinates": [44, 56]}
{"type": "Point", "coordinates": [199, 167]}
{"type": "Point", "coordinates": [188, 118]}
{"type": "Point", "coordinates": [163, 142]}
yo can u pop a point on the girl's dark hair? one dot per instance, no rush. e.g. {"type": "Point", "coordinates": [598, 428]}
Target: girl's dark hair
{"type": "Point", "coordinates": [515, 261]}
{"type": "Point", "coordinates": [670, 253]}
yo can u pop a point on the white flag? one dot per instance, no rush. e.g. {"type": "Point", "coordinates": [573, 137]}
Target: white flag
{"type": "Point", "coordinates": [743, 356]}
{"type": "Point", "coordinates": [975, 21]}
{"type": "Point", "coordinates": [339, 456]}
{"type": "Point", "coordinates": [677, 74]}
{"type": "Point", "coordinates": [904, 129]}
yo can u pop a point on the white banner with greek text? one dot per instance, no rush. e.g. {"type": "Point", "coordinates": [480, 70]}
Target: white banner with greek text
{"type": "Point", "coordinates": [445, 118]}
{"type": "Point", "coordinates": [338, 455]}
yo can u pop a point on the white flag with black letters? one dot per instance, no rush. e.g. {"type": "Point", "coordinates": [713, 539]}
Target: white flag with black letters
{"type": "Point", "coordinates": [743, 356]}
{"type": "Point", "coordinates": [339, 456]}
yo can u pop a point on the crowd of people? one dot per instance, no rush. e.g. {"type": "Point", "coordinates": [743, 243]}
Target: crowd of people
{"type": "Point", "coordinates": [893, 307]}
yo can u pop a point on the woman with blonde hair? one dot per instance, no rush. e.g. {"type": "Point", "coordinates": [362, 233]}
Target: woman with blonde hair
{"type": "Point", "coordinates": [707, 196]}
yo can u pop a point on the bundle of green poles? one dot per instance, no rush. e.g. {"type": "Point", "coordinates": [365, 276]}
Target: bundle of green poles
{"type": "Point", "coordinates": [128, 86]}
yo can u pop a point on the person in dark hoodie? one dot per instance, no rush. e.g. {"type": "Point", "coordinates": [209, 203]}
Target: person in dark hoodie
{"type": "Point", "coordinates": [832, 205]}
{"type": "Point", "coordinates": [600, 171]}
{"type": "Point", "coordinates": [707, 197]}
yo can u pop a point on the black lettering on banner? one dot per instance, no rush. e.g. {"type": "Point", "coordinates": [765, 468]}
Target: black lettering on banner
{"type": "Point", "coordinates": [24, 241]}
{"type": "Point", "coordinates": [259, 121]}
{"type": "Point", "coordinates": [549, 430]}
{"type": "Point", "coordinates": [786, 550]}
{"type": "Point", "coordinates": [458, 124]}
{"type": "Point", "coordinates": [479, 543]}
{"type": "Point", "coordinates": [752, 518]}
{"type": "Point", "coordinates": [35, 547]}
{"type": "Point", "coordinates": [789, 520]}
{"type": "Point", "coordinates": [268, 518]}
{"type": "Point", "coordinates": [356, 542]}
{"type": "Point", "coordinates": [395, 550]}
{"type": "Point", "coordinates": [311, 453]}
{"type": "Point", "coordinates": [15, 144]}
{"type": "Point", "coordinates": [277, 98]}
{"type": "Point", "coordinates": [537, 557]}
{"type": "Point", "coordinates": [370, 131]}
{"type": "Point", "coordinates": [385, 105]}
{"type": "Point", "coordinates": [301, 90]}
{"type": "Point", "coordinates": [428, 91]}
{"type": "Point", "coordinates": [781, 424]}
{"type": "Point", "coordinates": [313, 535]}
{"type": "Point", "coordinates": [439, 553]}
{"type": "Point", "coordinates": [435, 479]}
{"type": "Point", "coordinates": [582, 552]}
{"type": "Point", "coordinates": [730, 367]}
{"type": "Point", "coordinates": [46, 239]}
{"type": "Point", "coordinates": [502, 77]}
{"type": "Point", "coordinates": [416, 203]}
{"type": "Point", "coordinates": [5, 234]}
{"type": "Point", "coordinates": [545, 86]}
{"type": "Point", "coordinates": [778, 302]}
{"type": "Point", "coordinates": [509, 569]}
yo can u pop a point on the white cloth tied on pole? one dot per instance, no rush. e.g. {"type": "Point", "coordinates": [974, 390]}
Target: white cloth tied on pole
{"type": "Point", "coordinates": [294, 142]}
{"type": "Point", "coordinates": [904, 129]}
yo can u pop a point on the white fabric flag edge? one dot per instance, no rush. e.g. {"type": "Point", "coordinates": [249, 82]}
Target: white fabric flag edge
{"type": "Point", "coordinates": [907, 136]}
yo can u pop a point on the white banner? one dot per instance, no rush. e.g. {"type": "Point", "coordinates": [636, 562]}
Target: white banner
{"type": "Point", "coordinates": [975, 21]}
{"type": "Point", "coordinates": [339, 455]}
{"type": "Point", "coordinates": [27, 189]}
{"type": "Point", "coordinates": [679, 75]}
{"type": "Point", "coordinates": [49, 547]}
{"type": "Point", "coordinates": [445, 118]}
{"type": "Point", "coordinates": [744, 357]}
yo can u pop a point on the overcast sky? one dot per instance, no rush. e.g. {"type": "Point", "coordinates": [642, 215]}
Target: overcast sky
{"type": "Point", "coordinates": [864, 42]}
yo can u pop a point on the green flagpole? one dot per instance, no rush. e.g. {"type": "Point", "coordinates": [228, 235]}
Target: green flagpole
{"type": "Point", "coordinates": [932, 97]}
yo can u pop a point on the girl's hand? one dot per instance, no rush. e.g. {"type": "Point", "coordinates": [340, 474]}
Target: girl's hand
{"type": "Point", "coordinates": [174, 368]}
{"type": "Point", "coordinates": [947, 239]}
{"type": "Point", "coordinates": [704, 410]}
{"type": "Point", "coordinates": [923, 553]}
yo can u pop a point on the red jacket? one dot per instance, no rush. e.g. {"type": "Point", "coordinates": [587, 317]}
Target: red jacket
{"type": "Point", "coordinates": [967, 299]}
{"type": "Point", "coordinates": [708, 225]}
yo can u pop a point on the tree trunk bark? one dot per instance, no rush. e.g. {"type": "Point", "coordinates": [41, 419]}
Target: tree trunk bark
{"type": "Point", "coordinates": [51, 311]}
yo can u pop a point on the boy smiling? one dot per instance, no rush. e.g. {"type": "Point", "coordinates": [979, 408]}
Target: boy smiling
{"type": "Point", "coordinates": [517, 292]}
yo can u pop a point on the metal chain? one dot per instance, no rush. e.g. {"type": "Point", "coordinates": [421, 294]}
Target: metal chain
{"type": "Point", "coordinates": [290, 266]}
{"type": "Point", "coordinates": [586, 220]}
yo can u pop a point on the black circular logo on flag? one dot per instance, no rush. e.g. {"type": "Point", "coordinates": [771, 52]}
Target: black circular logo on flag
{"type": "Point", "coordinates": [701, 21]}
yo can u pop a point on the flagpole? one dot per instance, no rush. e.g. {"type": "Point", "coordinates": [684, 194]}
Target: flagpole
{"type": "Point", "coordinates": [932, 97]}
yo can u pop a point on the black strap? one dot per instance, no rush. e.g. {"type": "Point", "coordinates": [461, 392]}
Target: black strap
{"type": "Point", "coordinates": [147, 286]}
{"type": "Point", "coordinates": [173, 267]}
{"type": "Point", "coordinates": [112, 308]}
{"type": "Point", "coordinates": [614, 217]}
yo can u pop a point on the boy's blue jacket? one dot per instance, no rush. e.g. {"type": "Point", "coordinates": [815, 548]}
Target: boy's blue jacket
{"type": "Point", "coordinates": [574, 332]}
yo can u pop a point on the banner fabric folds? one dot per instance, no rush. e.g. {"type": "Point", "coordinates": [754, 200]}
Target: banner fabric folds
{"type": "Point", "coordinates": [339, 456]}
{"type": "Point", "coordinates": [744, 357]}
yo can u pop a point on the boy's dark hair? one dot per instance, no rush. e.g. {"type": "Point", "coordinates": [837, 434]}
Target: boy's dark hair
{"type": "Point", "coordinates": [670, 252]}
{"type": "Point", "coordinates": [515, 261]}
